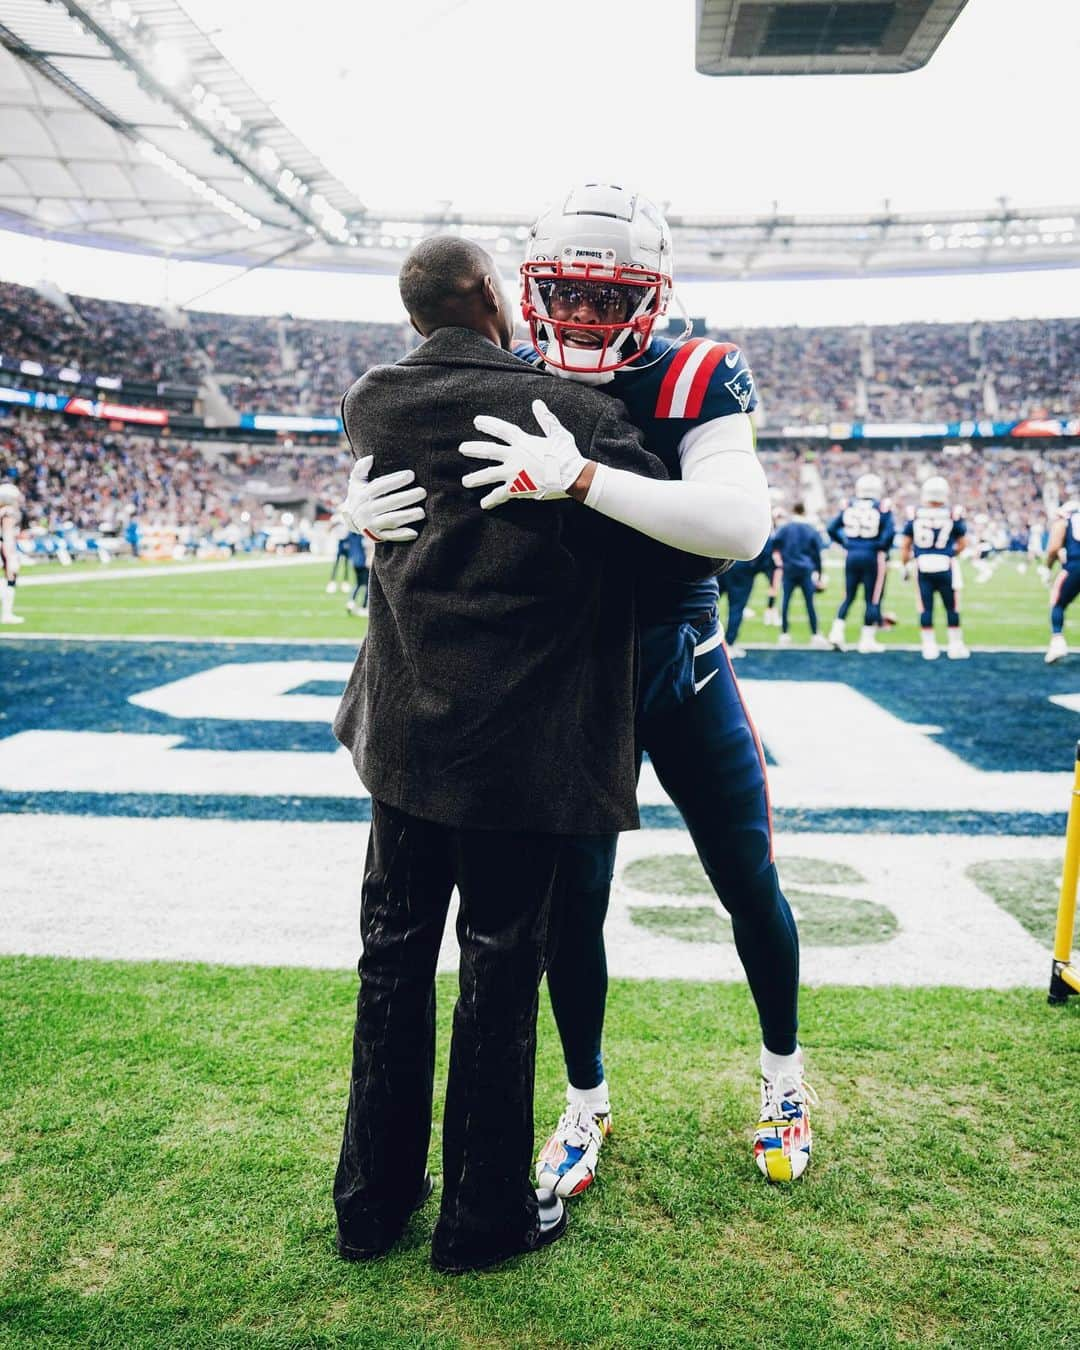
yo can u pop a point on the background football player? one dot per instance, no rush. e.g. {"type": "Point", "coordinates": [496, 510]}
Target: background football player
{"type": "Point", "coordinates": [10, 512]}
{"type": "Point", "coordinates": [1063, 547]}
{"type": "Point", "coordinates": [596, 279]}
{"type": "Point", "coordinates": [865, 529]}
{"type": "Point", "coordinates": [935, 536]}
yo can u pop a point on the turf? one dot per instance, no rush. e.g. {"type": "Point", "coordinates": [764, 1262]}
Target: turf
{"type": "Point", "coordinates": [824, 920]}
{"type": "Point", "coordinates": [169, 1135]}
{"type": "Point", "coordinates": [1028, 888]}
{"type": "Point", "coordinates": [290, 602]}
{"type": "Point", "coordinates": [683, 874]}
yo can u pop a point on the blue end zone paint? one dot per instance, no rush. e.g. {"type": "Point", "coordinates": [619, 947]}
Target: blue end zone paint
{"type": "Point", "coordinates": [993, 711]}
{"type": "Point", "coordinates": [85, 687]}
{"type": "Point", "coordinates": [351, 810]}
{"type": "Point", "coordinates": [347, 810]}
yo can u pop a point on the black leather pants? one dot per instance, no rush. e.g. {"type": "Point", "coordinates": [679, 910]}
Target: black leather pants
{"type": "Point", "coordinates": [504, 882]}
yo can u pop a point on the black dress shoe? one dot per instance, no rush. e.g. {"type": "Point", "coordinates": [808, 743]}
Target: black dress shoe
{"type": "Point", "coordinates": [552, 1215]}
{"type": "Point", "coordinates": [348, 1252]}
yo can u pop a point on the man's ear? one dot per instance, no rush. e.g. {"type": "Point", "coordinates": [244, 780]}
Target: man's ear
{"type": "Point", "coordinates": [491, 294]}
{"type": "Point", "coordinates": [416, 327]}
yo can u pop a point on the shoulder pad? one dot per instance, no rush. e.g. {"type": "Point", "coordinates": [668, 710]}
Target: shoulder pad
{"type": "Point", "coordinates": [525, 351]}
{"type": "Point", "coordinates": [702, 380]}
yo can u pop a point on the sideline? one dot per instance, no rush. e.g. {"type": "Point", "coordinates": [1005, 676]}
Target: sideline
{"type": "Point", "coordinates": [106, 572]}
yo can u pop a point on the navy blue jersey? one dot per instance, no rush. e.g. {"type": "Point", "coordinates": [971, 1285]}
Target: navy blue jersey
{"type": "Point", "coordinates": [934, 530]}
{"type": "Point", "coordinates": [864, 527]}
{"type": "Point", "coordinates": [1072, 542]}
{"type": "Point", "coordinates": [667, 392]}
{"type": "Point", "coordinates": [798, 546]}
{"type": "Point", "coordinates": [749, 570]}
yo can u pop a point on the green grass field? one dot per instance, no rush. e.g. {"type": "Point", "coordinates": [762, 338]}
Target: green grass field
{"type": "Point", "coordinates": [169, 1135]}
{"type": "Point", "coordinates": [290, 602]}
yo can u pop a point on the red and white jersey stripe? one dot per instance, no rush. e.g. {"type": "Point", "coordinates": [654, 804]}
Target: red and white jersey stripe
{"type": "Point", "coordinates": [686, 379]}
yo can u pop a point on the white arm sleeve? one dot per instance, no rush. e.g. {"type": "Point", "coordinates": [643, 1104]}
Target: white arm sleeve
{"type": "Point", "coordinates": [720, 507]}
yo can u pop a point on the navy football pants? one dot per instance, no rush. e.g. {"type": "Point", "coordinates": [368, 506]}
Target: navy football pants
{"type": "Point", "coordinates": [941, 584]}
{"type": "Point", "coordinates": [869, 573]}
{"type": "Point", "coordinates": [708, 758]}
{"type": "Point", "coordinates": [1064, 591]}
{"type": "Point", "coordinates": [737, 588]}
{"type": "Point", "coordinates": [792, 581]}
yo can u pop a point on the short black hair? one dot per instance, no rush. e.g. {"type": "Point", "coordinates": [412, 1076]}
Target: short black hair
{"type": "Point", "coordinates": [438, 276]}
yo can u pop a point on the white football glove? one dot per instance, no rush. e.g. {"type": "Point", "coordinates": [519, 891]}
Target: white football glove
{"type": "Point", "coordinates": [1043, 573]}
{"type": "Point", "coordinates": [380, 509]}
{"type": "Point", "coordinates": [540, 467]}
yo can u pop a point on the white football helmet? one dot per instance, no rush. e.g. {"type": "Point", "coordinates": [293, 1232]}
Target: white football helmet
{"type": "Point", "coordinates": [10, 495]}
{"type": "Point", "coordinates": [603, 253]}
{"type": "Point", "coordinates": [1068, 509]}
{"type": "Point", "coordinates": [935, 491]}
{"type": "Point", "coordinates": [868, 485]}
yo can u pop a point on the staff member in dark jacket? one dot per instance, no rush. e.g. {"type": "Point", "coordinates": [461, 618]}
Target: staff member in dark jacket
{"type": "Point", "coordinates": [796, 550]}
{"type": "Point", "coordinates": [490, 714]}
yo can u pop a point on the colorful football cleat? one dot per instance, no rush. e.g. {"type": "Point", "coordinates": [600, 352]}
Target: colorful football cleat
{"type": "Point", "coordinates": [782, 1138]}
{"type": "Point", "coordinates": [567, 1162]}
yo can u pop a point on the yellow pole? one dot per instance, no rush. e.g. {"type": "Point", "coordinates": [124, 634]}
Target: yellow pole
{"type": "Point", "coordinates": [1061, 988]}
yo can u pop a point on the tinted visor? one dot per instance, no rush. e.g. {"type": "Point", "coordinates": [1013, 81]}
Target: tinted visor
{"type": "Point", "coordinates": [607, 301]}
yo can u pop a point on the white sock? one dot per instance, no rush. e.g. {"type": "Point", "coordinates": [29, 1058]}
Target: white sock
{"type": "Point", "coordinates": [595, 1100]}
{"type": "Point", "coordinates": [772, 1066]}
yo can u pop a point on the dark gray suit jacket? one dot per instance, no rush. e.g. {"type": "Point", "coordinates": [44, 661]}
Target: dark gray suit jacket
{"type": "Point", "coordinates": [496, 686]}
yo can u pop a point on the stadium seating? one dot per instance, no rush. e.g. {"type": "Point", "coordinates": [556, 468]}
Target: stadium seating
{"type": "Point", "coordinates": [100, 478]}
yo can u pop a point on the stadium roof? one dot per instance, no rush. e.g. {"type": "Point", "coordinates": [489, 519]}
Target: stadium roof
{"type": "Point", "coordinates": [122, 124]}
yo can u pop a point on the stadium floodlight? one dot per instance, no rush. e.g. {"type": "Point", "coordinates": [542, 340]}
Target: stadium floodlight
{"type": "Point", "coordinates": [169, 64]}
{"type": "Point", "coordinates": [198, 185]}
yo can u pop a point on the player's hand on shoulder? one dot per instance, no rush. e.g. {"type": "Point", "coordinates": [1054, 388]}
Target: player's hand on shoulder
{"type": "Point", "coordinates": [383, 509]}
{"type": "Point", "coordinates": [541, 467]}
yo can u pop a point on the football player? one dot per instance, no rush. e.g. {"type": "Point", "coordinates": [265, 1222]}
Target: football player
{"type": "Point", "coordinates": [935, 536]}
{"type": "Point", "coordinates": [596, 279]}
{"type": "Point", "coordinates": [1063, 547]}
{"type": "Point", "coordinates": [10, 513]}
{"type": "Point", "coordinates": [864, 528]}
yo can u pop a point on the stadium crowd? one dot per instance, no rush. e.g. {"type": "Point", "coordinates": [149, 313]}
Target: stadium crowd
{"type": "Point", "coordinates": [888, 373]}
{"type": "Point", "coordinates": [97, 481]}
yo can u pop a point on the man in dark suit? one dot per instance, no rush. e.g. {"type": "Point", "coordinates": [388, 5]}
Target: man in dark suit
{"type": "Point", "coordinates": [490, 714]}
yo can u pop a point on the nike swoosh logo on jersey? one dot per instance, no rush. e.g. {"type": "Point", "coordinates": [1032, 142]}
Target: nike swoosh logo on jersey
{"type": "Point", "coordinates": [699, 685]}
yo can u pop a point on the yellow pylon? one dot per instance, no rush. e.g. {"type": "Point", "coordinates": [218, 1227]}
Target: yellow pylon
{"type": "Point", "coordinates": [1064, 977]}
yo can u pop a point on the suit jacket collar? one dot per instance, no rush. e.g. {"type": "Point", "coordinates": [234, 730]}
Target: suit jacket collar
{"type": "Point", "coordinates": [464, 347]}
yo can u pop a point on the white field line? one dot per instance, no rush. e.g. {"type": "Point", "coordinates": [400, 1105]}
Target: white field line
{"type": "Point", "coordinates": [15, 634]}
{"type": "Point", "coordinates": [180, 637]}
{"type": "Point", "coordinates": [107, 573]}
{"type": "Point", "coordinates": [273, 893]}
